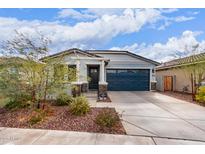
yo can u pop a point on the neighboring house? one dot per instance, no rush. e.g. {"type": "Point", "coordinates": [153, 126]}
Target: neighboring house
{"type": "Point", "coordinates": [175, 76]}
{"type": "Point", "coordinates": [104, 70]}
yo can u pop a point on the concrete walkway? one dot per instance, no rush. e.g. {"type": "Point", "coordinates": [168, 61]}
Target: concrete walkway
{"type": "Point", "coordinates": [45, 137]}
{"type": "Point", "coordinates": [155, 115]}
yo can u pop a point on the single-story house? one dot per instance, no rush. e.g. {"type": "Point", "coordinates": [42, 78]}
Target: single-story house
{"type": "Point", "coordinates": [175, 75]}
{"type": "Point", "coordinates": [110, 70]}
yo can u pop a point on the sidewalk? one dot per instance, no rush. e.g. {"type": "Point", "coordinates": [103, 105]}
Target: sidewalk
{"type": "Point", "coordinates": [39, 137]}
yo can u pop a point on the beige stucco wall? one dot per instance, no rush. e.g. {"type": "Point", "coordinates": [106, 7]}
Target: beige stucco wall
{"type": "Point", "coordinates": [180, 76]}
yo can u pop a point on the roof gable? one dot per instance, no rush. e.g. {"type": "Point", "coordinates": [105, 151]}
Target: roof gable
{"type": "Point", "coordinates": [94, 53]}
{"type": "Point", "coordinates": [124, 52]}
{"type": "Point", "coordinates": [71, 51]}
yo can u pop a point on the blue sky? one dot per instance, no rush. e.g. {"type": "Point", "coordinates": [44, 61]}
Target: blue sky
{"type": "Point", "coordinates": [158, 34]}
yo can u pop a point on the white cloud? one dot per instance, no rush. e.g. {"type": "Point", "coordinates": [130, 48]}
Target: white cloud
{"type": "Point", "coordinates": [91, 13]}
{"type": "Point", "coordinates": [170, 20]}
{"type": "Point", "coordinates": [83, 34]}
{"type": "Point", "coordinates": [183, 18]}
{"type": "Point", "coordinates": [168, 10]}
{"type": "Point", "coordinates": [104, 11]}
{"type": "Point", "coordinates": [196, 12]}
{"type": "Point", "coordinates": [71, 13]}
{"type": "Point", "coordinates": [105, 25]}
{"type": "Point", "coordinates": [175, 47]}
{"type": "Point", "coordinates": [193, 12]}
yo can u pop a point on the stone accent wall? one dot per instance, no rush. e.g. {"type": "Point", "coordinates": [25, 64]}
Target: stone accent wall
{"type": "Point", "coordinates": [84, 87]}
{"type": "Point", "coordinates": [76, 90]}
{"type": "Point", "coordinates": [102, 91]}
{"type": "Point", "coordinates": [153, 85]}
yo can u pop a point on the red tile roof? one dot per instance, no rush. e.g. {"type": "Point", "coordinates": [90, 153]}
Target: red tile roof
{"type": "Point", "coordinates": [183, 61]}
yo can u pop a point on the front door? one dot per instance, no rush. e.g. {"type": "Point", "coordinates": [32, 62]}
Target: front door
{"type": "Point", "coordinates": [93, 74]}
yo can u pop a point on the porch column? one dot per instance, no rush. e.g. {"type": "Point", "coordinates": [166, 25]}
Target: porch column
{"type": "Point", "coordinates": [78, 70]}
{"type": "Point", "coordinates": [102, 89]}
{"type": "Point", "coordinates": [102, 72]}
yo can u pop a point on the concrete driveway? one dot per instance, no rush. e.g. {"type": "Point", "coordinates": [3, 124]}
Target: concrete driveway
{"type": "Point", "coordinates": [156, 115]}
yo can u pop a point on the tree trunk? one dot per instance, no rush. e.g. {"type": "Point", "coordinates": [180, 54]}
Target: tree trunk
{"type": "Point", "coordinates": [33, 96]}
{"type": "Point", "coordinates": [192, 87]}
{"type": "Point", "coordinates": [45, 92]}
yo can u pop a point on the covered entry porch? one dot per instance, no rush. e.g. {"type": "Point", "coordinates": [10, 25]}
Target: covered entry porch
{"type": "Point", "coordinates": [90, 75]}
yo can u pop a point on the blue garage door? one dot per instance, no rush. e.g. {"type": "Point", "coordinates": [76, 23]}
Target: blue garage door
{"type": "Point", "coordinates": [128, 79]}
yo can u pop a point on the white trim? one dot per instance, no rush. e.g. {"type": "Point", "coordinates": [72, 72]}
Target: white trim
{"type": "Point", "coordinates": [126, 60]}
{"type": "Point", "coordinates": [77, 82]}
{"type": "Point", "coordinates": [129, 68]}
{"type": "Point", "coordinates": [150, 80]}
{"type": "Point", "coordinates": [105, 52]}
{"type": "Point", "coordinates": [93, 63]}
{"type": "Point", "coordinates": [84, 82]}
{"type": "Point", "coordinates": [89, 58]}
{"type": "Point", "coordinates": [102, 83]}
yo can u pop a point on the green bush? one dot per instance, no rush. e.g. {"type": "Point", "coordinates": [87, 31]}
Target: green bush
{"type": "Point", "coordinates": [79, 106]}
{"type": "Point", "coordinates": [106, 118]}
{"type": "Point", "coordinates": [200, 96]}
{"type": "Point", "coordinates": [63, 99]}
{"type": "Point", "coordinates": [19, 101]}
{"type": "Point", "coordinates": [37, 116]}
{"type": "Point", "coordinates": [35, 119]}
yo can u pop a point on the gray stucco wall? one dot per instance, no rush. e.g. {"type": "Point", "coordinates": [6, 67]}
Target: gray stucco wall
{"type": "Point", "coordinates": [123, 60]}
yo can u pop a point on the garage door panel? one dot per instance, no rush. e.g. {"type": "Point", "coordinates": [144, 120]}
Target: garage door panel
{"type": "Point", "coordinates": [128, 80]}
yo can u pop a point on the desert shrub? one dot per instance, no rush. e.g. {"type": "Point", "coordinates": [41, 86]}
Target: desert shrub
{"type": "Point", "coordinates": [35, 119]}
{"type": "Point", "coordinates": [63, 99]}
{"type": "Point", "coordinates": [37, 116]}
{"type": "Point", "coordinates": [200, 96]}
{"type": "Point", "coordinates": [106, 118]}
{"type": "Point", "coordinates": [19, 101]}
{"type": "Point", "coordinates": [79, 106]}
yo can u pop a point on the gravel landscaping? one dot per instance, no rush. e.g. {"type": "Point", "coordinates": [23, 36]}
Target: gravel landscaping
{"type": "Point", "coordinates": [59, 118]}
{"type": "Point", "coordinates": [179, 95]}
{"type": "Point", "coordinates": [183, 96]}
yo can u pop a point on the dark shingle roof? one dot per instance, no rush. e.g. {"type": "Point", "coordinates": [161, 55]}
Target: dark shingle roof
{"type": "Point", "coordinates": [183, 61]}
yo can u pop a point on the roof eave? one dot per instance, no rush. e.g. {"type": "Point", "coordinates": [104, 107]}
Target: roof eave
{"type": "Point", "coordinates": [178, 65]}
{"type": "Point", "coordinates": [68, 52]}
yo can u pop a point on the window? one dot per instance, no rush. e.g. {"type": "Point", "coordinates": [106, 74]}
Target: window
{"type": "Point", "coordinates": [58, 72]}
{"type": "Point", "coordinates": [72, 66]}
{"type": "Point", "coordinates": [153, 71]}
{"type": "Point", "coordinates": [72, 73]}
